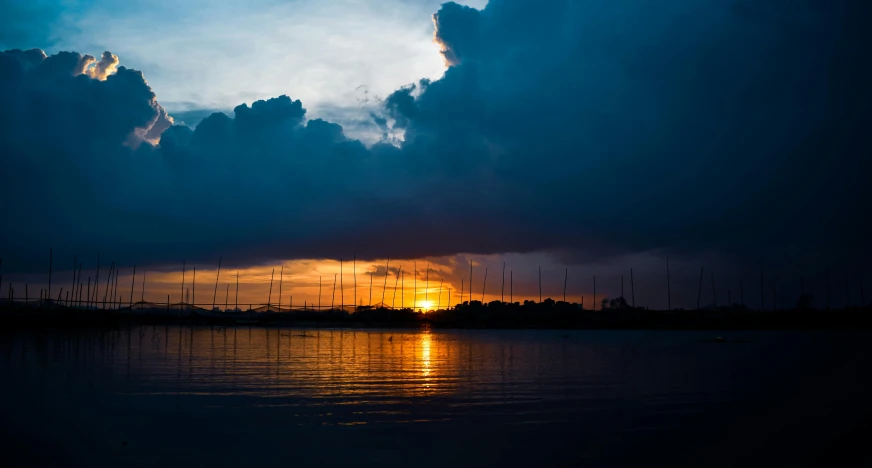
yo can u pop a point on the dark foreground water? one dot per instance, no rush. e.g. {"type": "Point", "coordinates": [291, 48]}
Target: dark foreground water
{"type": "Point", "coordinates": [202, 396]}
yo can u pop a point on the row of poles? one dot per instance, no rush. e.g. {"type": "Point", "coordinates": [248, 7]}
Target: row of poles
{"type": "Point", "coordinates": [113, 299]}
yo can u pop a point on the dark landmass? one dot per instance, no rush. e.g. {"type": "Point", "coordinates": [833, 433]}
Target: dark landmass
{"type": "Point", "coordinates": [544, 315]}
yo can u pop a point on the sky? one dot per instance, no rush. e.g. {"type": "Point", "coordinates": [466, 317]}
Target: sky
{"type": "Point", "coordinates": [586, 137]}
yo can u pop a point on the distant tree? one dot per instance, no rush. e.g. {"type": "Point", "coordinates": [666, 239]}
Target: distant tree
{"type": "Point", "coordinates": [618, 303]}
{"type": "Point", "coordinates": [529, 303]}
{"type": "Point", "coordinates": [548, 302]}
{"type": "Point", "coordinates": [605, 303]}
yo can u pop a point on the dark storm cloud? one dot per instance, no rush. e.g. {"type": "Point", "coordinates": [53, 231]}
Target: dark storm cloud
{"type": "Point", "coordinates": [593, 129]}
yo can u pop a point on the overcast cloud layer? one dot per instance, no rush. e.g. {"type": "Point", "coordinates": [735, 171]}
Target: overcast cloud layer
{"type": "Point", "coordinates": [591, 129]}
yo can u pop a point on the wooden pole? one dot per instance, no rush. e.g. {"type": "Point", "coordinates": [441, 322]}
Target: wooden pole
{"type": "Point", "coordinates": [96, 281]}
{"type": "Point", "coordinates": [73, 285]}
{"type": "Point", "coordinates": [281, 281]}
{"type": "Point", "coordinates": [49, 271]}
{"type": "Point", "coordinates": [333, 296]}
{"type": "Point", "coordinates": [511, 286]}
{"type": "Point", "coordinates": [319, 293]}
{"type": "Point", "coordinates": [89, 293]}
{"type": "Point", "coordinates": [142, 296]}
{"type": "Point", "coordinates": [632, 288]}
{"type": "Point", "coordinates": [402, 289]}
{"type": "Point", "coordinates": [183, 285]}
{"type": "Point", "coordinates": [699, 293]}
{"type": "Point", "coordinates": [226, 297]}
{"type": "Point", "coordinates": [461, 291]}
{"type": "Point", "coordinates": [341, 288]}
{"type": "Point", "coordinates": [540, 284]}
{"type": "Point", "coordinates": [484, 286]}
{"type": "Point", "coordinates": [470, 281]}
{"type": "Point", "coordinates": [385, 285]}
{"type": "Point", "coordinates": [426, 283]}
{"type": "Point", "coordinates": [394, 298]}
{"type": "Point", "coordinates": [236, 307]}
{"type": "Point", "coordinates": [370, 289]}
{"type": "Point", "coordinates": [194, 287]}
{"type": "Point", "coordinates": [115, 289]}
{"type": "Point", "coordinates": [218, 275]}
{"type": "Point", "coordinates": [269, 297]}
{"type": "Point", "coordinates": [439, 300]}
{"type": "Point", "coordinates": [132, 284]}
{"type": "Point", "coordinates": [107, 294]}
{"type": "Point", "coordinates": [354, 274]}
{"type": "Point", "coordinates": [503, 284]}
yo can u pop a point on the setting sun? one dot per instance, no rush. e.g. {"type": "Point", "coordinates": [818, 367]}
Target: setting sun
{"type": "Point", "coordinates": [426, 305]}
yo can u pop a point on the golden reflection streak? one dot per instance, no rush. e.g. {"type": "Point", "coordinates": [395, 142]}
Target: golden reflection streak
{"type": "Point", "coordinates": [425, 357]}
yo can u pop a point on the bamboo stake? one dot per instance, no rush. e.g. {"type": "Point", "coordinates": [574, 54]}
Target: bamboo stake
{"type": "Point", "coordinates": [115, 291]}
{"type": "Point", "coordinates": [75, 264]}
{"type": "Point", "coordinates": [132, 283]}
{"type": "Point", "coordinates": [281, 281]}
{"type": "Point", "coordinates": [461, 291]}
{"type": "Point", "coordinates": [503, 285]}
{"type": "Point", "coordinates": [385, 285]}
{"type": "Point", "coordinates": [49, 271]}
{"type": "Point", "coordinates": [97, 281]}
{"type": "Point", "coordinates": [333, 297]}
{"type": "Point", "coordinates": [396, 280]}
{"type": "Point", "coordinates": [218, 275]}
{"type": "Point", "coordinates": [183, 286]}
{"type": "Point", "coordinates": [484, 286]}
{"type": "Point", "coordinates": [269, 298]}
{"type": "Point", "coordinates": [354, 274]}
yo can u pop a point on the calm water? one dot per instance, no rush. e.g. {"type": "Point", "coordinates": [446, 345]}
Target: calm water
{"type": "Point", "coordinates": [192, 396]}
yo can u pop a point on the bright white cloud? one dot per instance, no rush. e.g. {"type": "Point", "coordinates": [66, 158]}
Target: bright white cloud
{"type": "Point", "coordinates": [206, 54]}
